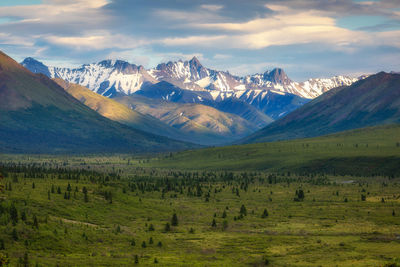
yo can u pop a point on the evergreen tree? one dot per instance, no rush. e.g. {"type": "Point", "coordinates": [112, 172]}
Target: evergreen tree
{"type": "Point", "coordinates": [214, 223]}
{"type": "Point", "coordinates": [14, 214]}
{"type": "Point", "coordinates": [243, 211]}
{"type": "Point", "coordinates": [35, 222]}
{"type": "Point", "coordinates": [167, 227]}
{"type": "Point", "coordinates": [151, 241]}
{"type": "Point", "coordinates": [265, 214]}
{"type": "Point", "coordinates": [224, 214]}
{"type": "Point", "coordinates": [144, 244]}
{"type": "Point", "coordinates": [23, 216]}
{"type": "Point", "coordinates": [224, 225]}
{"type": "Point", "coordinates": [2, 246]}
{"type": "Point", "coordinates": [174, 220]}
{"type": "Point", "coordinates": [136, 259]}
{"type": "Point", "coordinates": [14, 234]}
{"type": "Point", "coordinates": [59, 190]}
{"type": "Point", "coordinates": [33, 185]}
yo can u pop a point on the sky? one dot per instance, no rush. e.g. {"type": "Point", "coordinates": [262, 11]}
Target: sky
{"type": "Point", "coordinates": [307, 38]}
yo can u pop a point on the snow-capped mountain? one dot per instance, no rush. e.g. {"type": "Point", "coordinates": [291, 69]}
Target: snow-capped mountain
{"type": "Point", "coordinates": [316, 87]}
{"type": "Point", "coordinates": [192, 75]}
{"type": "Point", "coordinates": [108, 77]}
{"type": "Point", "coordinates": [272, 92]}
{"type": "Point", "coordinates": [117, 77]}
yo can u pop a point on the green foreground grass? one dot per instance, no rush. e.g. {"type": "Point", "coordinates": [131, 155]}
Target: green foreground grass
{"type": "Point", "coordinates": [332, 226]}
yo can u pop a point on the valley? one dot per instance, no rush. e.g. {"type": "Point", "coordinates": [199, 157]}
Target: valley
{"type": "Point", "coordinates": [111, 210]}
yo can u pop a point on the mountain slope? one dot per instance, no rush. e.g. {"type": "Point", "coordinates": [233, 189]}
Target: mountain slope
{"type": "Point", "coordinates": [38, 116]}
{"type": "Point", "coordinates": [206, 125]}
{"type": "Point", "coordinates": [372, 101]}
{"type": "Point", "coordinates": [115, 111]}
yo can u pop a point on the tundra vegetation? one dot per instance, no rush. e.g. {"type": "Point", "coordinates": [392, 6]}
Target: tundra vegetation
{"type": "Point", "coordinates": [120, 211]}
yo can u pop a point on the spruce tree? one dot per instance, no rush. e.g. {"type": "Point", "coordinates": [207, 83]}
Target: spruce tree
{"type": "Point", "coordinates": [14, 234]}
{"type": "Point", "coordinates": [224, 214]}
{"type": "Point", "coordinates": [174, 220]}
{"type": "Point", "coordinates": [35, 222]}
{"type": "Point", "coordinates": [243, 210]}
{"type": "Point", "coordinates": [265, 214]}
{"type": "Point", "coordinates": [14, 214]}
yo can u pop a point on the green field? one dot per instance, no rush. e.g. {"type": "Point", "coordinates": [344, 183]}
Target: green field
{"type": "Point", "coordinates": [349, 215]}
{"type": "Point", "coordinates": [331, 226]}
{"type": "Point", "coordinates": [367, 151]}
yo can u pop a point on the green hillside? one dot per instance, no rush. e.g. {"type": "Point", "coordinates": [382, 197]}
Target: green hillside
{"type": "Point", "coordinates": [38, 116]}
{"type": "Point", "coordinates": [362, 152]}
{"type": "Point", "coordinates": [369, 102]}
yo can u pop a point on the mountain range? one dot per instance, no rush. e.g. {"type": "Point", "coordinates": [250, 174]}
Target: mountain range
{"type": "Point", "coordinates": [127, 108]}
{"type": "Point", "coordinates": [272, 92]}
{"type": "Point", "coordinates": [39, 116]}
{"type": "Point", "coordinates": [192, 102]}
{"type": "Point", "coordinates": [116, 77]}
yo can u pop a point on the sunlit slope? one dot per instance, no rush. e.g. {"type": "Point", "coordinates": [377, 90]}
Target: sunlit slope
{"type": "Point", "coordinates": [364, 151]}
{"type": "Point", "coordinates": [113, 110]}
{"type": "Point", "coordinates": [205, 124]}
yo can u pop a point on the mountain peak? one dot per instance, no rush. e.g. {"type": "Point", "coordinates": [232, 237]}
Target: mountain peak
{"type": "Point", "coordinates": [194, 61]}
{"type": "Point", "coordinates": [35, 66]}
{"type": "Point", "coordinates": [277, 75]}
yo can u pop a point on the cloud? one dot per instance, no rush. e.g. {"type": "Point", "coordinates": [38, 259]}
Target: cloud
{"type": "Point", "coordinates": [230, 34]}
{"type": "Point", "coordinates": [212, 7]}
{"type": "Point", "coordinates": [285, 27]}
{"type": "Point", "coordinates": [97, 41]}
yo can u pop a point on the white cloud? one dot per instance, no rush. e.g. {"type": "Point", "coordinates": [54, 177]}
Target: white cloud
{"type": "Point", "coordinates": [212, 7]}
{"type": "Point", "coordinates": [8, 39]}
{"type": "Point", "coordinates": [284, 27]}
{"type": "Point", "coordinates": [98, 41]}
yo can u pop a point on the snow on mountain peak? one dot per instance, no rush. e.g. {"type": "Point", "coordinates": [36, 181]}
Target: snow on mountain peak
{"type": "Point", "coordinates": [113, 77]}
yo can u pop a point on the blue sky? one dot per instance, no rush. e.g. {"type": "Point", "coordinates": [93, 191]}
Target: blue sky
{"type": "Point", "coordinates": [308, 38]}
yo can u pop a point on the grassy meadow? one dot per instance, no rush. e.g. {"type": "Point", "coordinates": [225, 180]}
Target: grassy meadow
{"type": "Point", "coordinates": [122, 218]}
{"type": "Point", "coordinates": [327, 201]}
